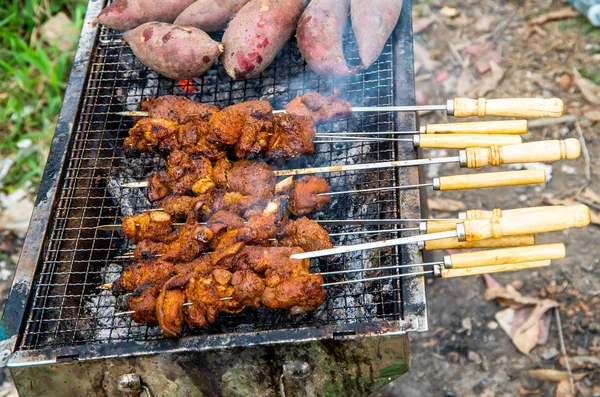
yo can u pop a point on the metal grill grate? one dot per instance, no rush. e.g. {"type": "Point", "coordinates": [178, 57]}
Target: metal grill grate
{"type": "Point", "coordinates": [66, 309]}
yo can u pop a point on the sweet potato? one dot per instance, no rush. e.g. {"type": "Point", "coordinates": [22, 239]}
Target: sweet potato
{"type": "Point", "coordinates": [177, 52]}
{"type": "Point", "coordinates": [373, 22]}
{"type": "Point", "coordinates": [320, 36]}
{"type": "Point", "coordinates": [210, 15]}
{"type": "Point", "coordinates": [257, 33]}
{"type": "Point", "coordinates": [129, 14]}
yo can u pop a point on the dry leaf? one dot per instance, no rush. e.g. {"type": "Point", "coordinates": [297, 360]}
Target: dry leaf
{"type": "Point", "coordinates": [589, 90]}
{"type": "Point", "coordinates": [564, 389]}
{"type": "Point", "coordinates": [59, 30]}
{"type": "Point", "coordinates": [510, 320]}
{"type": "Point", "coordinates": [445, 205]}
{"type": "Point", "coordinates": [489, 82]}
{"type": "Point", "coordinates": [567, 12]}
{"type": "Point", "coordinates": [15, 212]}
{"type": "Point", "coordinates": [422, 57]}
{"type": "Point", "coordinates": [593, 115]}
{"type": "Point", "coordinates": [420, 24]}
{"type": "Point", "coordinates": [554, 375]}
{"type": "Point", "coordinates": [526, 392]}
{"type": "Point", "coordinates": [449, 12]}
{"type": "Point", "coordinates": [483, 54]}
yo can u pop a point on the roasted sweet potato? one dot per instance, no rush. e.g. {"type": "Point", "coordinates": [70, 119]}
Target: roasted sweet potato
{"type": "Point", "coordinates": [178, 52]}
{"type": "Point", "coordinates": [210, 15]}
{"type": "Point", "coordinates": [373, 22]}
{"type": "Point", "coordinates": [257, 33]}
{"type": "Point", "coordinates": [320, 36]}
{"type": "Point", "coordinates": [129, 14]}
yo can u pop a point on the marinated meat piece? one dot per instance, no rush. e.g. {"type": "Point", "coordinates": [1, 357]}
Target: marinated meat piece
{"type": "Point", "coordinates": [224, 220]}
{"type": "Point", "coordinates": [192, 239]}
{"type": "Point", "coordinates": [250, 119]}
{"type": "Point", "coordinates": [184, 175]}
{"type": "Point", "coordinates": [248, 288]}
{"type": "Point", "coordinates": [224, 257]}
{"type": "Point", "coordinates": [222, 276]}
{"type": "Point", "coordinates": [306, 234]}
{"type": "Point", "coordinates": [220, 200]}
{"type": "Point", "coordinates": [154, 225]}
{"type": "Point", "coordinates": [169, 311]}
{"type": "Point", "coordinates": [227, 239]}
{"type": "Point", "coordinates": [143, 303]}
{"type": "Point", "coordinates": [292, 137]}
{"type": "Point", "coordinates": [304, 197]}
{"type": "Point", "coordinates": [147, 249]}
{"type": "Point", "coordinates": [299, 294]}
{"type": "Point", "coordinates": [191, 138]}
{"type": "Point", "coordinates": [319, 108]}
{"type": "Point", "coordinates": [252, 178]}
{"type": "Point", "coordinates": [266, 225]}
{"type": "Point", "coordinates": [220, 170]}
{"type": "Point", "coordinates": [152, 271]}
{"type": "Point", "coordinates": [178, 109]}
{"type": "Point", "coordinates": [179, 207]}
{"type": "Point", "coordinates": [206, 302]}
{"type": "Point", "coordinates": [152, 135]}
{"type": "Point", "coordinates": [271, 259]}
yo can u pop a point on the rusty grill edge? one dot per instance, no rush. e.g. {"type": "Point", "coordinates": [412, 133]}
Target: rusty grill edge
{"type": "Point", "coordinates": [48, 317]}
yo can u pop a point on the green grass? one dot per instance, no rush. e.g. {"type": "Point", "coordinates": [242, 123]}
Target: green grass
{"type": "Point", "coordinates": [33, 77]}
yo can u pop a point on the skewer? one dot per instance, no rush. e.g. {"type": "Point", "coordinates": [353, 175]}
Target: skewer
{"type": "Point", "coordinates": [437, 271]}
{"type": "Point", "coordinates": [431, 141]}
{"type": "Point", "coordinates": [546, 220]}
{"type": "Point", "coordinates": [477, 157]}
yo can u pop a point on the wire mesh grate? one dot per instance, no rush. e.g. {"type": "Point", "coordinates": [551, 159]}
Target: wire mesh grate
{"type": "Point", "coordinates": [67, 309]}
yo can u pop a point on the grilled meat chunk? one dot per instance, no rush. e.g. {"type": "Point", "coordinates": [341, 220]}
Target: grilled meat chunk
{"type": "Point", "coordinates": [152, 135]}
{"type": "Point", "coordinates": [178, 109]}
{"type": "Point", "coordinates": [248, 287]}
{"type": "Point", "coordinates": [306, 234]}
{"type": "Point", "coordinates": [266, 224]}
{"type": "Point", "coordinates": [224, 220]}
{"type": "Point", "coordinates": [252, 178]}
{"type": "Point", "coordinates": [179, 207]}
{"type": "Point", "coordinates": [292, 137]}
{"type": "Point", "coordinates": [152, 271]}
{"type": "Point", "coordinates": [249, 122]}
{"type": "Point", "coordinates": [169, 310]}
{"type": "Point", "coordinates": [184, 175]}
{"type": "Point", "coordinates": [191, 138]}
{"type": "Point", "coordinates": [143, 303]}
{"type": "Point", "coordinates": [319, 108]}
{"type": "Point", "coordinates": [271, 259]}
{"type": "Point", "coordinates": [154, 225]}
{"type": "Point", "coordinates": [300, 293]}
{"type": "Point", "coordinates": [205, 300]}
{"type": "Point", "coordinates": [304, 197]}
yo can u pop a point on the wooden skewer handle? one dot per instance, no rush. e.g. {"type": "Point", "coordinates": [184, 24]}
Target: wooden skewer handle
{"type": "Point", "coordinates": [505, 255]}
{"type": "Point", "coordinates": [550, 219]}
{"type": "Point", "coordinates": [450, 224]}
{"type": "Point", "coordinates": [473, 271]}
{"type": "Point", "coordinates": [509, 107]}
{"type": "Point", "coordinates": [492, 179]}
{"type": "Point", "coordinates": [460, 141]}
{"type": "Point", "coordinates": [532, 152]}
{"type": "Point", "coordinates": [453, 243]}
{"type": "Point", "coordinates": [513, 127]}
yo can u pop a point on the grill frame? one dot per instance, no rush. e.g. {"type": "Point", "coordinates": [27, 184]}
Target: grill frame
{"type": "Point", "coordinates": [13, 321]}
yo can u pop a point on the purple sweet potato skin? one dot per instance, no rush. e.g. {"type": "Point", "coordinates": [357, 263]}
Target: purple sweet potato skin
{"type": "Point", "coordinates": [178, 52]}
{"type": "Point", "coordinates": [257, 33]}
{"type": "Point", "coordinates": [210, 15]}
{"type": "Point", "coordinates": [129, 14]}
{"type": "Point", "coordinates": [320, 36]}
{"type": "Point", "coordinates": [373, 22]}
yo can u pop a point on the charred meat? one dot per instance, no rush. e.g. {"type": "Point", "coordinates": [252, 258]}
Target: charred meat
{"type": "Point", "coordinates": [318, 108]}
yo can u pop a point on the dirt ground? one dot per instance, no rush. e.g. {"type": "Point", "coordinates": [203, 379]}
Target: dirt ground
{"type": "Point", "coordinates": [451, 359]}
{"type": "Point", "coordinates": [465, 352]}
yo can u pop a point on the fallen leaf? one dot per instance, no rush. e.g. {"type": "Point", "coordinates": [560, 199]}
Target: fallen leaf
{"type": "Point", "coordinates": [483, 54]}
{"type": "Point", "coordinates": [59, 30]}
{"type": "Point", "coordinates": [593, 115]}
{"type": "Point", "coordinates": [445, 205]}
{"type": "Point", "coordinates": [526, 392]}
{"type": "Point", "coordinates": [554, 375]}
{"type": "Point", "coordinates": [15, 212]}
{"type": "Point", "coordinates": [579, 362]}
{"type": "Point", "coordinates": [589, 90]}
{"type": "Point", "coordinates": [489, 82]}
{"type": "Point", "coordinates": [589, 194]}
{"type": "Point", "coordinates": [423, 58]}
{"type": "Point", "coordinates": [449, 12]}
{"type": "Point", "coordinates": [564, 389]}
{"type": "Point", "coordinates": [420, 24]}
{"type": "Point", "coordinates": [485, 23]}
{"type": "Point", "coordinates": [563, 13]}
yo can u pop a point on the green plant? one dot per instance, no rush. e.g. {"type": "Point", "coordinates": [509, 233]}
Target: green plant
{"type": "Point", "coordinates": [33, 77]}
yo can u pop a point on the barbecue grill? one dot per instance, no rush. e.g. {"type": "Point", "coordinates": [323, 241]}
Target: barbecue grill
{"type": "Point", "coordinates": [57, 317]}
